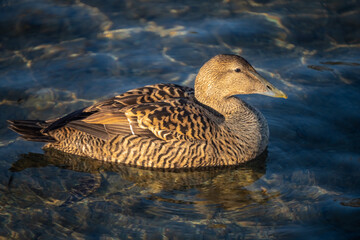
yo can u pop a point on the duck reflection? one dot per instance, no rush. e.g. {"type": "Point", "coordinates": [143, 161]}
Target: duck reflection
{"type": "Point", "coordinates": [225, 187]}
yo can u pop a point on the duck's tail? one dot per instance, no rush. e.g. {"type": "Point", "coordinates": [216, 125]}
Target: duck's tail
{"type": "Point", "coordinates": [31, 130]}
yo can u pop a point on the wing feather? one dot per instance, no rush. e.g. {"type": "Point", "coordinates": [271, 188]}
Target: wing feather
{"type": "Point", "coordinates": [180, 119]}
{"type": "Point", "coordinates": [165, 111]}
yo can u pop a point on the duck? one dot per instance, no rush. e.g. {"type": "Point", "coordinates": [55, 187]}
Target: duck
{"type": "Point", "coordinates": [165, 125]}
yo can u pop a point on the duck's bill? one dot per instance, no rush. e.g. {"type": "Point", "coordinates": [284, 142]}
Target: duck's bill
{"type": "Point", "coordinates": [274, 92]}
{"type": "Point", "coordinates": [270, 91]}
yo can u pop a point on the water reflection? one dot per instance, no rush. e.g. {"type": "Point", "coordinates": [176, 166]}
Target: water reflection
{"type": "Point", "coordinates": [76, 191]}
{"type": "Point", "coordinates": [225, 187]}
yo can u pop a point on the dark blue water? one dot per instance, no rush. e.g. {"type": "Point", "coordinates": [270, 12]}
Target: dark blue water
{"type": "Point", "coordinates": [57, 56]}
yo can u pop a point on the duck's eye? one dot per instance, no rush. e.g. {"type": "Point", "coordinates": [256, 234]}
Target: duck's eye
{"type": "Point", "coordinates": [237, 70]}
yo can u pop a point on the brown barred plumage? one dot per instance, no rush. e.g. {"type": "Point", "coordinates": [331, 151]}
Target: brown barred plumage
{"type": "Point", "coordinates": [167, 125]}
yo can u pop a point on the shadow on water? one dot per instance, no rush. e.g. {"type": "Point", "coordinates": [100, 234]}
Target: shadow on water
{"type": "Point", "coordinates": [225, 187]}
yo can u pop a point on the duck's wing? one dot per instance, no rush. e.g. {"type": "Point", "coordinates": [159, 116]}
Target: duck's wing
{"type": "Point", "coordinates": [178, 118]}
{"type": "Point", "coordinates": [147, 94]}
{"type": "Point", "coordinates": [181, 119]}
{"type": "Point", "coordinates": [107, 118]}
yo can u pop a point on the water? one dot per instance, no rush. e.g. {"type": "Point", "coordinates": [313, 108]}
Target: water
{"type": "Point", "coordinates": [58, 56]}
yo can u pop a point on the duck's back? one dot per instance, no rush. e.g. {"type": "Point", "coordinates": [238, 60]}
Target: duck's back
{"type": "Point", "coordinates": [117, 115]}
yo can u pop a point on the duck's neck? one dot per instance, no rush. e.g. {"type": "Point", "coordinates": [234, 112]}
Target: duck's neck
{"type": "Point", "coordinates": [225, 106]}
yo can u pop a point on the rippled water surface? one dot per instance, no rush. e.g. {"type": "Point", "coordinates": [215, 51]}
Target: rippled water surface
{"type": "Point", "coordinates": [57, 56]}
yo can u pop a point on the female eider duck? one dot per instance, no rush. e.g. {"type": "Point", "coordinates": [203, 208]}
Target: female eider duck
{"type": "Point", "coordinates": [167, 125]}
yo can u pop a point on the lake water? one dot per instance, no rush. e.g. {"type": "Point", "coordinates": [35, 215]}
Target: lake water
{"type": "Point", "coordinates": [57, 56]}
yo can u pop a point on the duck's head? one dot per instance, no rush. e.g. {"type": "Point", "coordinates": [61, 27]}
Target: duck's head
{"type": "Point", "coordinates": [226, 75]}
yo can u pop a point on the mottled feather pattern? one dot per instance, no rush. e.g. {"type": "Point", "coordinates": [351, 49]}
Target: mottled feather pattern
{"type": "Point", "coordinates": [166, 131]}
{"type": "Point", "coordinates": [148, 152]}
{"type": "Point", "coordinates": [147, 94]}
{"type": "Point", "coordinates": [174, 119]}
